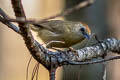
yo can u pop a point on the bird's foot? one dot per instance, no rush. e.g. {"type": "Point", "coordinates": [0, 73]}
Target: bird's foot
{"type": "Point", "coordinates": [73, 50]}
{"type": "Point", "coordinates": [97, 39]}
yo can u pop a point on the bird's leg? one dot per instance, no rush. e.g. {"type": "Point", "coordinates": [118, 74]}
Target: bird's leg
{"type": "Point", "coordinates": [73, 50]}
{"type": "Point", "coordinates": [93, 39]}
{"type": "Point", "coordinates": [48, 45]}
{"type": "Point", "coordinates": [100, 41]}
{"type": "Point", "coordinates": [97, 39]}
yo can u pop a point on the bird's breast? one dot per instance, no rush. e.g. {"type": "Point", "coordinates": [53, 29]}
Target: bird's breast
{"type": "Point", "coordinates": [72, 39]}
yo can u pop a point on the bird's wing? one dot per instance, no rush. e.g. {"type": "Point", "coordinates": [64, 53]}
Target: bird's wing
{"type": "Point", "coordinates": [55, 26]}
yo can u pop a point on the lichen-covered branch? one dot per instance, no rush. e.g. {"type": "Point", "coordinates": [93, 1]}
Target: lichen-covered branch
{"type": "Point", "coordinates": [31, 44]}
{"type": "Point", "coordinates": [87, 53]}
{"type": "Point", "coordinates": [93, 62]}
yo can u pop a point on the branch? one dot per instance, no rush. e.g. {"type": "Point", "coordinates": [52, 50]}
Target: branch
{"type": "Point", "coordinates": [95, 61]}
{"type": "Point", "coordinates": [87, 53]}
{"type": "Point", "coordinates": [36, 48]}
{"type": "Point", "coordinates": [20, 19]}
{"type": "Point", "coordinates": [10, 25]}
{"type": "Point", "coordinates": [31, 44]}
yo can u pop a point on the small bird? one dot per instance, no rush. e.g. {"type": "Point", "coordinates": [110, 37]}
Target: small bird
{"type": "Point", "coordinates": [60, 33]}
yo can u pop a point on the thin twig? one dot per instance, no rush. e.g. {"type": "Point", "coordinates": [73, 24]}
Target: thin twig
{"type": "Point", "coordinates": [34, 71]}
{"type": "Point", "coordinates": [10, 25]}
{"type": "Point", "coordinates": [93, 62]}
{"type": "Point", "coordinates": [37, 73]}
{"type": "Point", "coordinates": [28, 68]}
{"type": "Point", "coordinates": [104, 72]}
{"type": "Point", "coordinates": [21, 19]}
{"type": "Point", "coordinates": [52, 73]}
{"type": "Point", "coordinates": [18, 8]}
{"type": "Point", "coordinates": [3, 14]}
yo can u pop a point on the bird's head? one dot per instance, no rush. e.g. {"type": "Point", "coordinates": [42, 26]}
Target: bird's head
{"type": "Point", "coordinates": [83, 30]}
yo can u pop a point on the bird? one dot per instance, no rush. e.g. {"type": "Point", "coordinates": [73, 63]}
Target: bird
{"type": "Point", "coordinates": [61, 33]}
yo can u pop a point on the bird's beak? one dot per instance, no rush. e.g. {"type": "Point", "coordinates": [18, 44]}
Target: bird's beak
{"type": "Point", "coordinates": [86, 35]}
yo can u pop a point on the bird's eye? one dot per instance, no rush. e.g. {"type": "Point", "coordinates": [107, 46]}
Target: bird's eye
{"type": "Point", "coordinates": [82, 29]}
